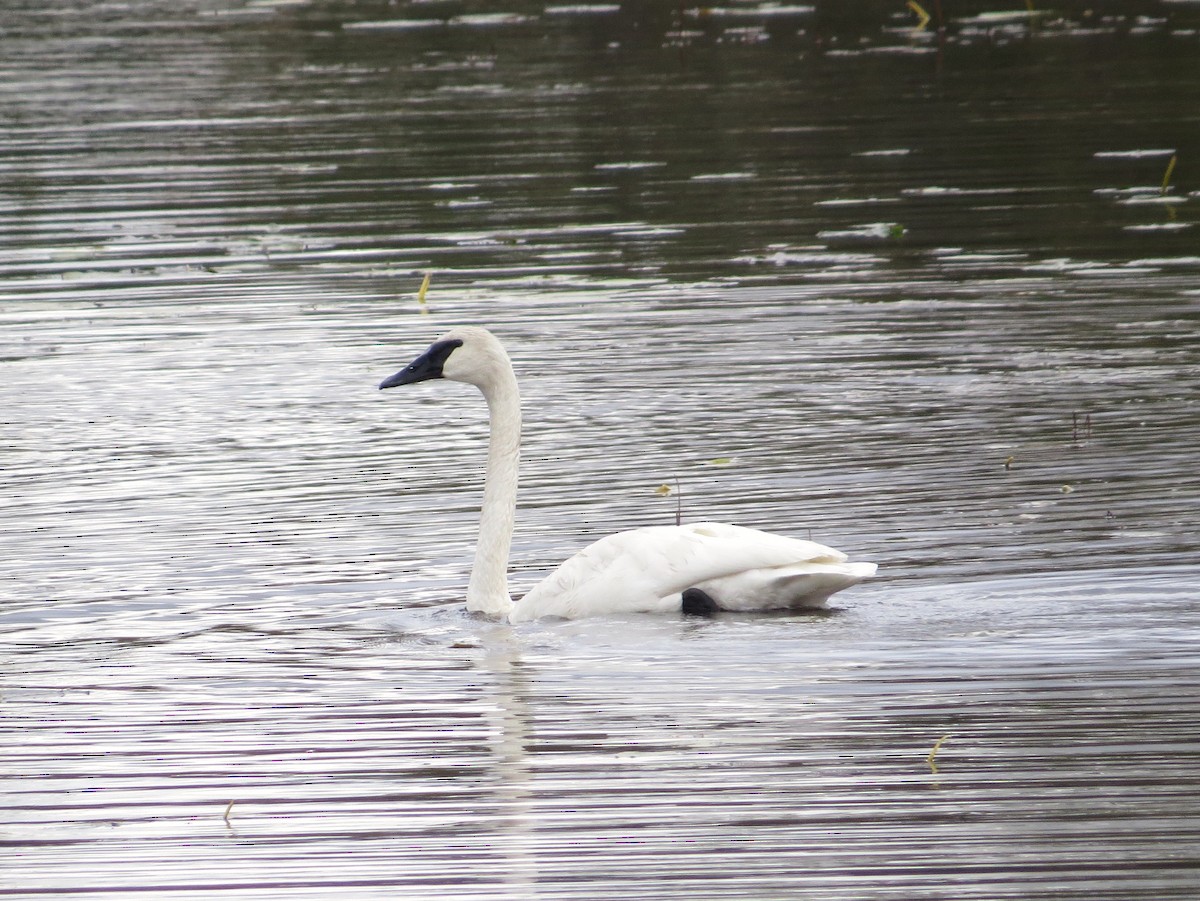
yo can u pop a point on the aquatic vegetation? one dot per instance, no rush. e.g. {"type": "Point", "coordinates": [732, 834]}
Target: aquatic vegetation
{"type": "Point", "coordinates": [937, 746]}
{"type": "Point", "coordinates": [922, 16]}
{"type": "Point", "coordinates": [1166, 182]}
{"type": "Point", "coordinates": [422, 291]}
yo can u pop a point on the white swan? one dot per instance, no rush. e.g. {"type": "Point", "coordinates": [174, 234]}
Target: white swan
{"type": "Point", "coordinates": [697, 568]}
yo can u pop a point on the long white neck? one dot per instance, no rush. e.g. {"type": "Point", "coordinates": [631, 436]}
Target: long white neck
{"type": "Point", "coordinates": [488, 589]}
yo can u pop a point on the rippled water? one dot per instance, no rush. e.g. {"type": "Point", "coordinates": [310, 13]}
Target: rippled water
{"type": "Point", "coordinates": [922, 297]}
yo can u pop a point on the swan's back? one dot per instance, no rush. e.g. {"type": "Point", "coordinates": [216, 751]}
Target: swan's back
{"type": "Point", "coordinates": [647, 570]}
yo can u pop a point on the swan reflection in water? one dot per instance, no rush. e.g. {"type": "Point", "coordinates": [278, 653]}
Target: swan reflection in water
{"type": "Point", "coordinates": [695, 568]}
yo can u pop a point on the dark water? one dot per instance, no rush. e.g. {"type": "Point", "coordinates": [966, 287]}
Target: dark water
{"type": "Point", "coordinates": [921, 295]}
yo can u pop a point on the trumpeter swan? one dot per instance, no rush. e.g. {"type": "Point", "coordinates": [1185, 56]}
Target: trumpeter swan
{"type": "Point", "coordinates": [696, 568]}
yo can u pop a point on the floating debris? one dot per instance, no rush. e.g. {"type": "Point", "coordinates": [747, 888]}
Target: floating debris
{"type": "Point", "coordinates": [922, 16]}
{"type": "Point", "coordinates": [937, 746]}
{"type": "Point", "coordinates": [1167, 175]}
{"type": "Point", "coordinates": [421, 293]}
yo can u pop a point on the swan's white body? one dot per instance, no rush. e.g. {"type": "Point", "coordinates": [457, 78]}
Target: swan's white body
{"type": "Point", "coordinates": [638, 571]}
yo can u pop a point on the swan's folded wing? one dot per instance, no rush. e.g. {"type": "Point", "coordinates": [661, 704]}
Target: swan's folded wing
{"type": "Point", "coordinates": [645, 570]}
{"type": "Point", "coordinates": [785, 587]}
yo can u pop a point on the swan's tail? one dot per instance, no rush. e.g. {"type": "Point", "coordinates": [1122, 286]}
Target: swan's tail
{"type": "Point", "coordinates": [784, 587]}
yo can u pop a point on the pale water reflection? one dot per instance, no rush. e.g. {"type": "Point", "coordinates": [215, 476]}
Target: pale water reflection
{"type": "Point", "coordinates": [927, 300]}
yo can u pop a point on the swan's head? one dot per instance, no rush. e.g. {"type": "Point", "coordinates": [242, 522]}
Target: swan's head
{"type": "Point", "coordinates": [466, 354]}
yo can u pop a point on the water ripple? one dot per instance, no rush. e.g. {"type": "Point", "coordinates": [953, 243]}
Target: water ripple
{"type": "Point", "coordinates": [236, 661]}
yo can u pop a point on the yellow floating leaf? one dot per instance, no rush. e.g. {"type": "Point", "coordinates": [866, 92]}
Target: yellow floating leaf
{"type": "Point", "coordinates": [720, 461]}
{"type": "Point", "coordinates": [663, 490]}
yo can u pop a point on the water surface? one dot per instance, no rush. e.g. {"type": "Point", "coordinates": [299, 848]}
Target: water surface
{"type": "Point", "coordinates": [921, 297]}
